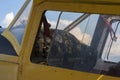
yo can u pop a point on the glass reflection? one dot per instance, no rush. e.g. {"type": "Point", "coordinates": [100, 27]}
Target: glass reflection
{"type": "Point", "coordinates": [19, 27]}
{"type": "Point", "coordinates": [81, 48]}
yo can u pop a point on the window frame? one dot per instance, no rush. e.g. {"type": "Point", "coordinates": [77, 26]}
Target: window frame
{"type": "Point", "coordinates": [9, 58]}
{"type": "Point", "coordinates": [10, 36]}
{"type": "Point", "coordinates": [40, 6]}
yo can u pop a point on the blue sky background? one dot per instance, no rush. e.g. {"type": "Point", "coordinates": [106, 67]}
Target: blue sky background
{"type": "Point", "coordinates": [7, 7]}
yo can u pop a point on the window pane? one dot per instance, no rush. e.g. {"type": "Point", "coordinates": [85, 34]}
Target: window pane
{"type": "Point", "coordinates": [112, 52]}
{"type": "Point", "coordinates": [19, 27]}
{"type": "Point", "coordinates": [79, 42]}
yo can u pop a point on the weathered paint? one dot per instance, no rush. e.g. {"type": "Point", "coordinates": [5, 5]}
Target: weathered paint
{"type": "Point", "coordinates": [8, 71]}
{"type": "Point", "coordinates": [26, 70]}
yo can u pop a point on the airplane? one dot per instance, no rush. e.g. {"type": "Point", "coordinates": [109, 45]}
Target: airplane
{"type": "Point", "coordinates": [62, 40]}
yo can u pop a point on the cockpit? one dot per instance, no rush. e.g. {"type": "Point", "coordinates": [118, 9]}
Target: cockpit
{"type": "Point", "coordinates": [77, 41]}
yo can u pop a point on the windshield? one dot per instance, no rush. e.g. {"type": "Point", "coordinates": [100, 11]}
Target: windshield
{"type": "Point", "coordinates": [18, 28]}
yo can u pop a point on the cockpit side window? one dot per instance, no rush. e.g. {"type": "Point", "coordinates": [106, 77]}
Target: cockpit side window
{"type": "Point", "coordinates": [15, 31]}
{"type": "Point", "coordinates": [18, 28]}
{"type": "Point", "coordinates": [111, 50]}
{"type": "Point", "coordinates": [75, 41]}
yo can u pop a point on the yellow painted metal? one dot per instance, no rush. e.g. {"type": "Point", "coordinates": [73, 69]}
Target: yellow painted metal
{"type": "Point", "coordinates": [32, 71]}
{"type": "Point", "coordinates": [8, 71]}
{"type": "Point", "coordinates": [9, 58]}
{"type": "Point", "coordinates": [52, 73]}
{"type": "Point", "coordinates": [29, 71]}
{"type": "Point", "coordinates": [81, 1]}
{"type": "Point", "coordinates": [110, 78]}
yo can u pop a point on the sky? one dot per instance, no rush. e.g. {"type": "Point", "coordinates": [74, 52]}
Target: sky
{"type": "Point", "coordinates": [8, 10]}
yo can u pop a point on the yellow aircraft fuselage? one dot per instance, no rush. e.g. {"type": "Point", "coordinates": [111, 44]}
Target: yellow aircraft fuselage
{"type": "Point", "coordinates": [20, 66]}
